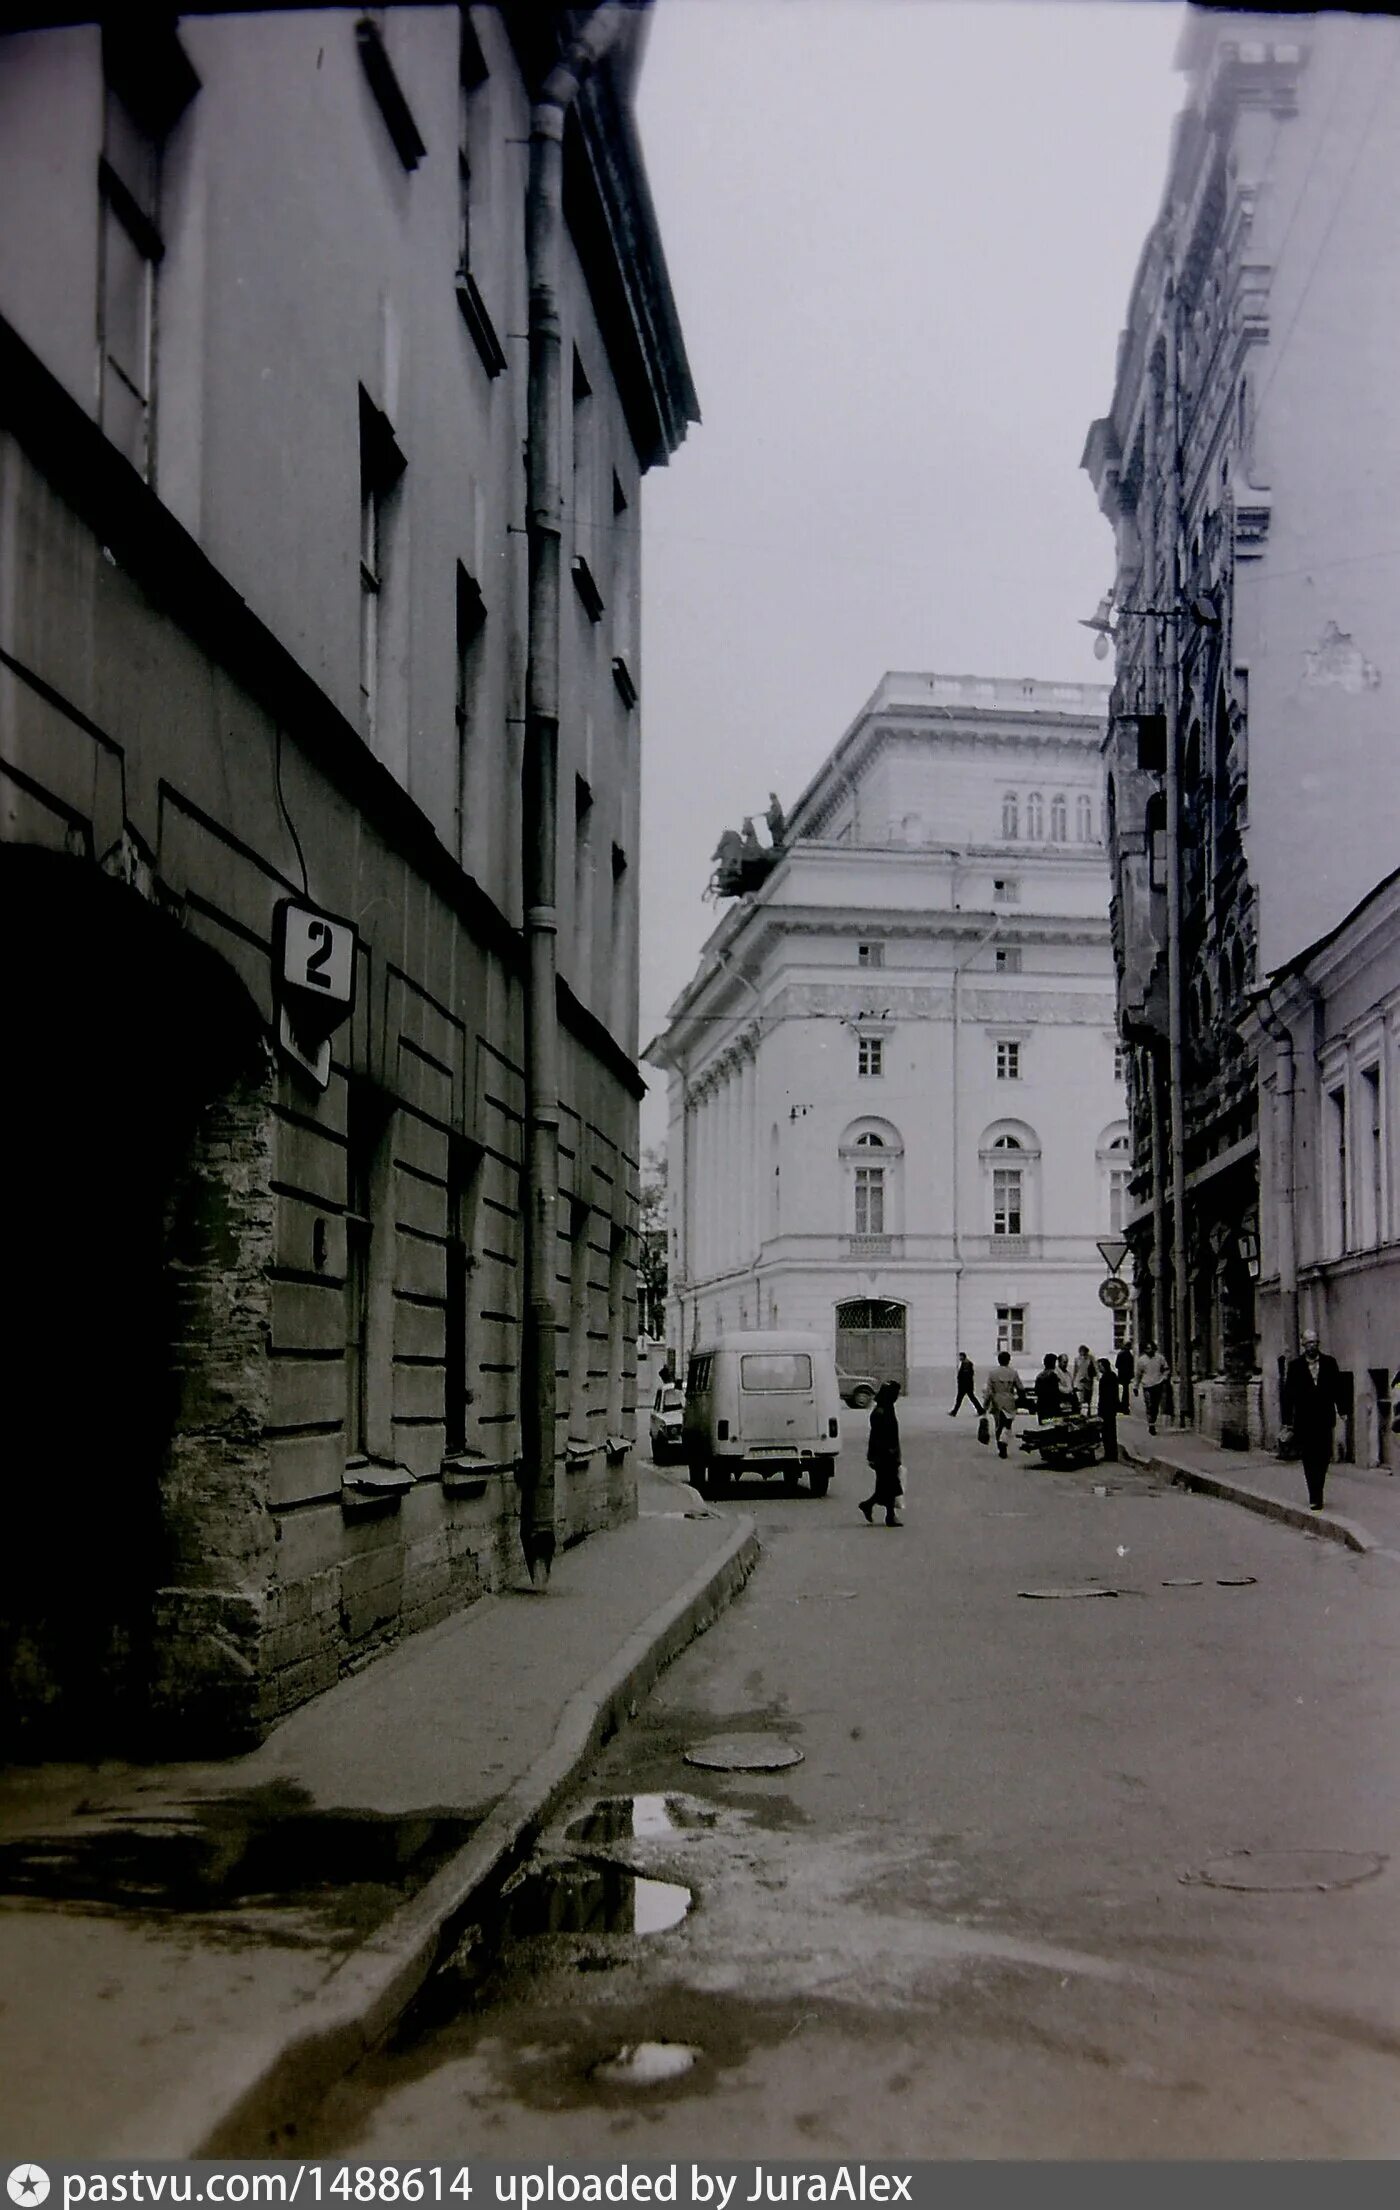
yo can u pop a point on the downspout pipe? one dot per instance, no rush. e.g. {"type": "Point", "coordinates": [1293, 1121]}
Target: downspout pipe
{"type": "Point", "coordinates": [1176, 1087]}
{"type": "Point", "coordinates": [968, 956]}
{"type": "Point", "coordinates": [544, 249]}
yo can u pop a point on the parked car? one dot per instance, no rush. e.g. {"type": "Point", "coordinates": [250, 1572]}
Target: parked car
{"type": "Point", "coordinates": [762, 1400]}
{"type": "Point", "coordinates": [667, 1416]}
{"type": "Point", "coordinates": [857, 1389]}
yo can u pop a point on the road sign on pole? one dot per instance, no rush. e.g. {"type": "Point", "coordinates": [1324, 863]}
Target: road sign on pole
{"type": "Point", "coordinates": [1114, 1293]}
{"type": "Point", "coordinates": [1113, 1250]}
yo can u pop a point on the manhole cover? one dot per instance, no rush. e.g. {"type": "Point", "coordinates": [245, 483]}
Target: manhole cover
{"type": "Point", "coordinates": [1049, 1592]}
{"type": "Point", "coordinates": [1182, 1583]}
{"type": "Point", "coordinates": [1235, 1580]}
{"type": "Point", "coordinates": [1287, 1871]}
{"type": "Point", "coordinates": [743, 1753]}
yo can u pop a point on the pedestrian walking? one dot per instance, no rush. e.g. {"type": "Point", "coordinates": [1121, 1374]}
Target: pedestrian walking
{"type": "Point", "coordinates": [1125, 1365]}
{"type": "Point", "coordinates": [1083, 1375]}
{"type": "Point", "coordinates": [883, 1455]}
{"type": "Point", "coordinates": [1052, 1388]}
{"type": "Point", "coordinates": [1311, 1401]}
{"type": "Point", "coordinates": [1001, 1396]}
{"type": "Point", "coordinates": [1151, 1377]}
{"type": "Point", "coordinates": [1108, 1409]}
{"type": "Point", "coordinates": [967, 1381]}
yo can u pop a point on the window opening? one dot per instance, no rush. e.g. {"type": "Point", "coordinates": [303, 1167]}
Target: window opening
{"type": "Point", "coordinates": [870, 1200]}
{"type": "Point", "coordinates": [1058, 820]}
{"type": "Point", "coordinates": [1035, 815]}
{"type": "Point", "coordinates": [1008, 1062]}
{"type": "Point", "coordinates": [1011, 1327]}
{"type": "Point", "coordinates": [870, 1059]}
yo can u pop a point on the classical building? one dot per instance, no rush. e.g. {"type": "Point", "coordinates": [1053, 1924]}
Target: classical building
{"type": "Point", "coordinates": [286, 672]}
{"type": "Point", "coordinates": [894, 1105]}
{"type": "Point", "coordinates": [1250, 465]}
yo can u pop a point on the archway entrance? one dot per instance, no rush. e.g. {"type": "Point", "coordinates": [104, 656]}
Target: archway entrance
{"type": "Point", "coordinates": [120, 1030]}
{"type": "Point", "coordinates": [870, 1339]}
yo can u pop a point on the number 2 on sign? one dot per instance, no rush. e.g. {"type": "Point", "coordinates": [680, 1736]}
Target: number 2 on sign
{"type": "Point", "coordinates": [319, 933]}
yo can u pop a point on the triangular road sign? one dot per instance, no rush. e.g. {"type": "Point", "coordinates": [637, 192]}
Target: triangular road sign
{"type": "Point", "coordinates": [1113, 1250]}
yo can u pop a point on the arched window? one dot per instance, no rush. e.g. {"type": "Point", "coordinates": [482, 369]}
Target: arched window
{"type": "Point", "coordinates": [1084, 818]}
{"type": "Point", "coordinates": [1010, 1155]}
{"type": "Point", "coordinates": [871, 1157]}
{"type": "Point", "coordinates": [1059, 825]}
{"type": "Point", "coordinates": [1010, 817]}
{"type": "Point", "coordinates": [1035, 815]}
{"type": "Point", "coordinates": [1115, 1167]}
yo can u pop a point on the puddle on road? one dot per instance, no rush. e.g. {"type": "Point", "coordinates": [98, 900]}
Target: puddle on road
{"type": "Point", "coordinates": [589, 1897]}
{"type": "Point", "coordinates": [646, 2064]}
{"type": "Point", "coordinates": [638, 1819]}
{"type": "Point", "coordinates": [257, 1858]}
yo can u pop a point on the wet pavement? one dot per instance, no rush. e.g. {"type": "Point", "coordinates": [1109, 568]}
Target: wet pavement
{"type": "Point", "coordinates": [1052, 1879]}
{"type": "Point", "coordinates": [183, 1932]}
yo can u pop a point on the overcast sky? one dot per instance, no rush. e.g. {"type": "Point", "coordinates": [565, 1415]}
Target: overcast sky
{"type": "Point", "coordinates": [901, 235]}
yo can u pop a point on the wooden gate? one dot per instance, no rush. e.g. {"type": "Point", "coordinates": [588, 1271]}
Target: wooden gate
{"type": "Point", "coordinates": [870, 1339]}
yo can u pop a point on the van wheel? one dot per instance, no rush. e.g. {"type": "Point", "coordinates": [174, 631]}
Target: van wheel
{"type": "Point", "coordinates": [820, 1478]}
{"type": "Point", "coordinates": [792, 1479]}
{"type": "Point", "coordinates": [860, 1399]}
{"type": "Point", "coordinates": [697, 1476]}
{"type": "Point", "coordinates": [720, 1478]}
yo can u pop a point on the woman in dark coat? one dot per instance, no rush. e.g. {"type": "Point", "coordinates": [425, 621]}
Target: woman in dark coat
{"type": "Point", "coordinates": [883, 1454]}
{"type": "Point", "coordinates": [1108, 1409]}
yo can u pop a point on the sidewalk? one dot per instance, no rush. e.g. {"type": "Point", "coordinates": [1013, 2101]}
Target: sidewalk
{"type": "Point", "coordinates": [1362, 1507]}
{"type": "Point", "coordinates": [192, 1952]}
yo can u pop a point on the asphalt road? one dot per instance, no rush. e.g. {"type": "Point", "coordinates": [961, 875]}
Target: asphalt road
{"type": "Point", "coordinates": [972, 1921]}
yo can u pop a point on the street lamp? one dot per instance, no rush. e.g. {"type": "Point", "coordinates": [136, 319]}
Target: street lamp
{"type": "Point", "coordinates": [1106, 622]}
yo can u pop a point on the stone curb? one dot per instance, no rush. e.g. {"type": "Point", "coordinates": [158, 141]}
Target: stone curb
{"type": "Point", "coordinates": [1329, 1524]}
{"type": "Point", "coordinates": [273, 2077]}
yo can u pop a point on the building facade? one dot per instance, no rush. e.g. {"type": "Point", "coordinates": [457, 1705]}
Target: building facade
{"type": "Point", "coordinates": [1249, 466]}
{"type": "Point", "coordinates": [270, 649]}
{"type": "Point", "coordinates": [894, 1108]}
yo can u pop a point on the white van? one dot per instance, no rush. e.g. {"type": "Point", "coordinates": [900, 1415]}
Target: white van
{"type": "Point", "coordinates": [763, 1399]}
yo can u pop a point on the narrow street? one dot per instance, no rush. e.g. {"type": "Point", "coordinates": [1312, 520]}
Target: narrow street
{"type": "Point", "coordinates": [1057, 1874]}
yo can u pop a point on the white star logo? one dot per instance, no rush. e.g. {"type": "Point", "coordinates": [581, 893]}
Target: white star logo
{"type": "Point", "coordinates": [28, 2185]}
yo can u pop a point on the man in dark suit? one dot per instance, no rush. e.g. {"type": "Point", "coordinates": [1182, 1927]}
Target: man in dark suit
{"type": "Point", "coordinates": [1311, 1402]}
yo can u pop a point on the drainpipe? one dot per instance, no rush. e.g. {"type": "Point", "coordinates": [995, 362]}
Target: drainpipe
{"type": "Point", "coordinates": [1285, 1213]}
{"type": "Point", "coordinates": [982, 942]}
{"type": "Point", "coordinates": [1181, 1339]}
{"type": "Point", "coordinates": [544, 236]}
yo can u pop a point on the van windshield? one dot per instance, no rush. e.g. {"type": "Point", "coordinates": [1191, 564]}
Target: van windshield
{"type": "Point", "coordinates": [775, 1370]}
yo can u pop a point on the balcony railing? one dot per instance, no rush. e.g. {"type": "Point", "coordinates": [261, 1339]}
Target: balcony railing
{"type": "Point", "coordinates": [874, 1246]}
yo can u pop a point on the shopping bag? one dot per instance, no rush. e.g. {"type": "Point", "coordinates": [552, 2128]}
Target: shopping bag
{"type": "Point", "coordinates": [984, 1429]}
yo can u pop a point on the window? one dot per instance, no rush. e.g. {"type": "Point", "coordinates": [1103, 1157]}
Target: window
{"type": "Point", "coordinates": [1058, 819]}
{"type": "Point", "coordinates": [1373, 1159]}
{"type": "Point", "coordinates": [369, 1283]}
{"type": "Point", "coordinates": [1084, 818]}
{"type": "Point", "coordinates": [1011, 1328]}
{"type": "Point", "coordinates": [471, 634]}
{"type": "Point", "coordinates": [130, 250]}
{"type": "Point", "coordinates": [870, 1058]}
{"type": "Point", "coordinates": [871, 1143]}
{"type": "Point", "coordinates": [583, 873]}
{"type": "Point", "coordinates": [1035, 815]}
{"type": "Point", "coordinates": [1120, 1063]}
{"type": "Point", "coordinates": [1006, 1200]}
{"type": "Point", "coordinates": [1010, 817]}
{"type": "Point", "coordinates": [585, 464]}
{"type": "Point", "coordinates": [1122, 1327]}
{"type": "Point", "coordinates": [463, 1185]}
{"type": "Point", "coordinates": [870, 955]}
{"type": "Point", "coordinates": [1008, 1061]}
{"type": "Point", "coordinates": [1006, 890]}
{"type": "Point", "coordinates": [381, 467]}
{"type": "Point", "coordinates": [579, 1301]}
{"type": "Point", "coordinates": [388, 93]}
{"type": "Point", "coordinates": [1008, 959]}
{"type": "Point", "coordinates": [775, 1370]}
{"type": "Point", "coordinates": [1117, 1199]}
{"type": "Point", "coordinates": [870, 1200]}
